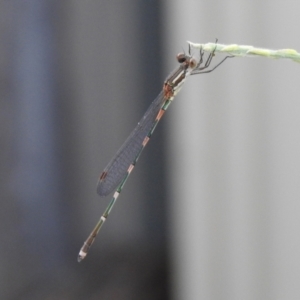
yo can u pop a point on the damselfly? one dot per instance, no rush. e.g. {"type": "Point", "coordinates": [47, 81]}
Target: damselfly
{"type": "Point", "coordinates": [118, 170]}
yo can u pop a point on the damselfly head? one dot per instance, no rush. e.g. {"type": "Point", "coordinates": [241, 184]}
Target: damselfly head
{"type": "Point", "coordinates": [189, 61]}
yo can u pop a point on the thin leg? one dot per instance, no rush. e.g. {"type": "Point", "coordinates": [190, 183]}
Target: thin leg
{"type": "Point", "coordinates": [200, 71]}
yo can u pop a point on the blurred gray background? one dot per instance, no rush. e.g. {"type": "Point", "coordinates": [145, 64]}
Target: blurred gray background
{"type": "Point", "coordinates": [212, 210]}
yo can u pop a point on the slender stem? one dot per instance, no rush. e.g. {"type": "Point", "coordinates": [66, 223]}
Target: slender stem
{"type": "Point", "coordinates": [244, 50]}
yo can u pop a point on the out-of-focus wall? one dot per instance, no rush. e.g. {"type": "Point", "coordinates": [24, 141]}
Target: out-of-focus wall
{"type": "Point", "coordinates": [234, 156]}
{"type": "Point", "coordinates": [72, 90]}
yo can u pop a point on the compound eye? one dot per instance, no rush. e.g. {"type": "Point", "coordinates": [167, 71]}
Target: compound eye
{"type": "Point", "coordinates": [181, 57]}
{"type": "Point", "coordinates": [192, 63]}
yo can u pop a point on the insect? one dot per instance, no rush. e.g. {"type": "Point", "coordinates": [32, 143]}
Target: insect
{"type": "Point", "coordinates": [119, 168]}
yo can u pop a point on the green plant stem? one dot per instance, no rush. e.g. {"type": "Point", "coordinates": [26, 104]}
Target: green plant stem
{"type": "Point", "coordinates": [244, 50]}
